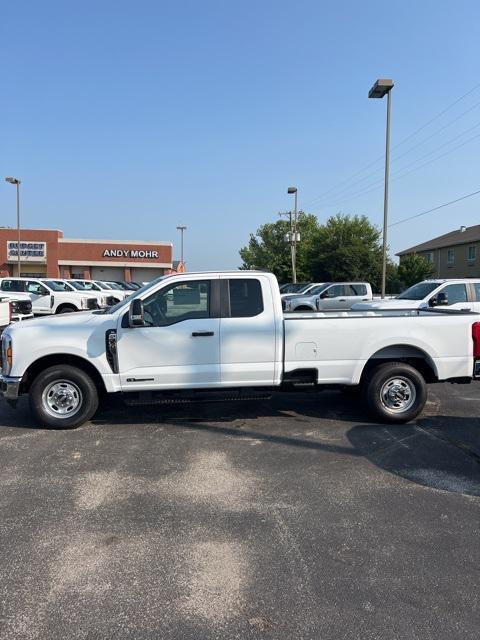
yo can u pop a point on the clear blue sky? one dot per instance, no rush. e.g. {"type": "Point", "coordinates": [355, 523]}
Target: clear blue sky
{"type": "Point", "coordinates": [124, 119]}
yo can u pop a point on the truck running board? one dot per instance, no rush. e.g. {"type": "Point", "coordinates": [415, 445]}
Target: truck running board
{"type": "Point", "coordinates": [140, 398]}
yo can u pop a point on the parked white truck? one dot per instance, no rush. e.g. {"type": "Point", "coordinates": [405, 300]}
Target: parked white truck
{"type": "Point", "coordinates": [13, 310]}
{"type": "Point", "coordinates": [47, 297]}
{"type": "Point", "coordinates": [329, 296]}
{"type": "Point", "coordinates": [461, 293]}
{"type": "Point", "coordinates": [204, 335]}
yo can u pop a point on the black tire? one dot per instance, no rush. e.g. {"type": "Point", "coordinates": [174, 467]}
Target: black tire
{"type": "Point", "coordinates": [67, 380]}
{"type": "Point", "coordinates": [395, 392]}
{"type": "Point", "coordinates": [66, 308]}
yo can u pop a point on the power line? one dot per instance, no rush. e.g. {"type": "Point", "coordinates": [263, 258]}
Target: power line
{"type": "Point", "coordinates": [357, 182]}
{"type": "Point", "coordinates": [441, 206]}
{"type": "Point", "coordinates": [404, 171]}
{"type": "Point", "coordinates": [414, 133]}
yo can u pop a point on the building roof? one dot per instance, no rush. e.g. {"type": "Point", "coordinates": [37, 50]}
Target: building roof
{"type": "Point", "coordinates": [464, 235]}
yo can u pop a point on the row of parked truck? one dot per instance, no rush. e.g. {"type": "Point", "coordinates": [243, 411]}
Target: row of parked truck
{"type": "Point", "coordinates": [358, 296]}
{"type": "Point", "coordinates": [22, 298]}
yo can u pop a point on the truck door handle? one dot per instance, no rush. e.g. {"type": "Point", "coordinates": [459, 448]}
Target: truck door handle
{"type": "Point", "coordinates": [202, 334]}
{"type": "Point", "coordinates": [342, 300]}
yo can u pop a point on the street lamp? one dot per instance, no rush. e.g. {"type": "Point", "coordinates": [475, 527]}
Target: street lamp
{"type": "Point", "coordinates": [181, 228]}
{"type": "Point", "coordinates": [379, 90]}
{"type": "Point", "coordinates": [294, 190]}
{"type": "Point", "coordinates": [17, 183]}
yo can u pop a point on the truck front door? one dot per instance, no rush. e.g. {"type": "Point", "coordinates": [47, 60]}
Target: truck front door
{"type": "Point", "coordinates": [179, 345]}
{"type": "Point", "coordinates": [40, 296]}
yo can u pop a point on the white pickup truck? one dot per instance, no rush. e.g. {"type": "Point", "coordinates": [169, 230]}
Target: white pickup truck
{"type": "Point", "coordinates": [47, 296]}
{"type": "Point", "coordinates": [205, 335]}
{"type": "Point", "coordinates": [13, 310]}
{"type": "Point", "coordinates": [329, 296]}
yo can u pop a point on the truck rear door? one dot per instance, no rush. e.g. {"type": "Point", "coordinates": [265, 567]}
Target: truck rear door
{"type": "Point", "coordinates": [247, 332]}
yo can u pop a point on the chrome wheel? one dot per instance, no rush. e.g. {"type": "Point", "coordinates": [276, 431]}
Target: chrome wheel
{"type": "Point", "coordinates": [398, 394]}
{"type": "Point", "coordinates": [62, 399]}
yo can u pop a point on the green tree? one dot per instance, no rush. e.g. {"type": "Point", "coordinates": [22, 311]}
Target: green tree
{"type": "Point", "coordinates": [267, 248]}
{"type": "Point", "coordinates": [347, 248]}
{"type": "Point", "coordinates": [414, 268]}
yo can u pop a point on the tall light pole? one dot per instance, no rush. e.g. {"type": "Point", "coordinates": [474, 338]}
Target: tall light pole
{"type": "Point", "coordinates": [181, 228]}
{"type": "Point", "coordinates": [294, 190]}
{"type": "Point", "coordinates": [379, 90]}
{"type": "Point", "coordinates": [17, 182]}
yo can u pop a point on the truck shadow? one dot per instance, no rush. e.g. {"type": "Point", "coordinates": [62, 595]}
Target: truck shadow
{"type": "Point", "coordinates": [441, 451]}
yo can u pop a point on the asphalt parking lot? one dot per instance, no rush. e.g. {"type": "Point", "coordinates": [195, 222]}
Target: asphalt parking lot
{"type": "Point", "coordinates": [296, 518]}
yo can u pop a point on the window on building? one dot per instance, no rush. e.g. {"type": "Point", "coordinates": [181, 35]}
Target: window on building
{"type": "Point", "coordinates": [188, 300]}
{"type": "Point", "coordinates": [472, 253]}
{"type": "Point", "coordinates": [245, 297]}
{"type": "Point", "coordinates": [429, 257]}
{"type": "Point", "coordinates": [450, 256]}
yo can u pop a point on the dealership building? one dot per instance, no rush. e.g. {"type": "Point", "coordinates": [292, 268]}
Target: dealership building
{"type": "Point", "coordinates": [46, 253]}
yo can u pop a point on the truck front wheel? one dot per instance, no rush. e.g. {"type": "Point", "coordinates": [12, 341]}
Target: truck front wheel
{"type": "Point", "coordinates": [63, 397]}
{"type": "Point", "coordinates": [66, 308]}
{"type": "Point", "coordinates": [395, 392]}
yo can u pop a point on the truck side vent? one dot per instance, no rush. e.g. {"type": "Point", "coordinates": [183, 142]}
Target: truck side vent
{"type": "Point", "coordinates": [111, 349]}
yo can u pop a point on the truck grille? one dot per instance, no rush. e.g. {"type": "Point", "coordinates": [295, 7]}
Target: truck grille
{"type": "Point", "coordinates": [21, 306]}
{"type": "Point", "coordinates": [111, 301]}
{"type": "Point", "coordinates": [92, 303]}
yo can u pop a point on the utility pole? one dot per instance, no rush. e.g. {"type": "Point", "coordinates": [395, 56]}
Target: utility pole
{"type": "Point", "coordinates": [294, 190]}
{"type": "Point", "coordinates": [380, 89]}
{"type": "Point", "coordinates": [291, 238]}
{"type": "Point", "coordinates": [181, 228]}
{"type": "Point", "coordinates": [17, 183]}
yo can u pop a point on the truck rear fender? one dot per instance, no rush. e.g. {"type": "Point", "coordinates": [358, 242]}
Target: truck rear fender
{"type": "Point", "coordinates": [413, 356]}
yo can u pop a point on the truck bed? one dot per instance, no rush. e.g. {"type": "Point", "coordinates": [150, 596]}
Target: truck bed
{"type": "Point", "coordinates": [338, 344]}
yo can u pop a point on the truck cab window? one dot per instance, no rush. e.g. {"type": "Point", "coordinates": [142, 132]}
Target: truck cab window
{"type": "Point", "coordinates": [356, 290]}
{"type": "Point", "coordinates": [246, 298]}
{"type": "Point", "coordinates": [188, 300]}
{"type": "Point", "coordinates": [13, 285]}
{"type": "Point", "coordinates": [334, 291]}
{"type": "Point", "coordinates": [455, 293]}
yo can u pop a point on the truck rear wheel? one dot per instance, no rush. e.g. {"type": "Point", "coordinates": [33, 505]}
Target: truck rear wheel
{"type": "Point", "coordinates": [63, 397]}
{"type": "Point", "coordinates": [395, 392]}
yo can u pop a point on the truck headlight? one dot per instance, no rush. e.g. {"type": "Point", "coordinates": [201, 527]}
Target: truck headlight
{"type": "Point", "coordinates": [84, 303]}
{"type": "Point", "coordinates": [7, 354]}
{"type": "Point", "coordinates": [103, 301]}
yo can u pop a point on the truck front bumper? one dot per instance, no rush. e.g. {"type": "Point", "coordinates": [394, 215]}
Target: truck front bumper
{"type": "Point", "coordinates": [10, 387]}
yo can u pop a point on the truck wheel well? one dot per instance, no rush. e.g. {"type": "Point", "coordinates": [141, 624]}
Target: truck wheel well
{"type": "Point", "coordinates": [303, 308]}
{"type": "Point", "coordinates": [413, 356]}
{"type": "Point", "coordinates": [62, 358]}
{"type": "Point", "coordinates": [66, 305]}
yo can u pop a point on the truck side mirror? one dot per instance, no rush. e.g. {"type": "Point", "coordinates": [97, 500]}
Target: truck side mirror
{"type": "Point", "coordinates": [135, 314]}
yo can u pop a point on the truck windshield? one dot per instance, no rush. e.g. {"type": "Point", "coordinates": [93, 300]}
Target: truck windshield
{"type": "Point", "coordinates": [419, 291]}
{"type": "Point", "coordinates": [128, 300]}
{"type": "Point", "coordinates": [83, 286]}
{"type": "Point", "coordinates": [298, 287]}
{"type": "Point", "coordinates": [317, 289]}
{"type": "Point", "coordinates": [57, 285]}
